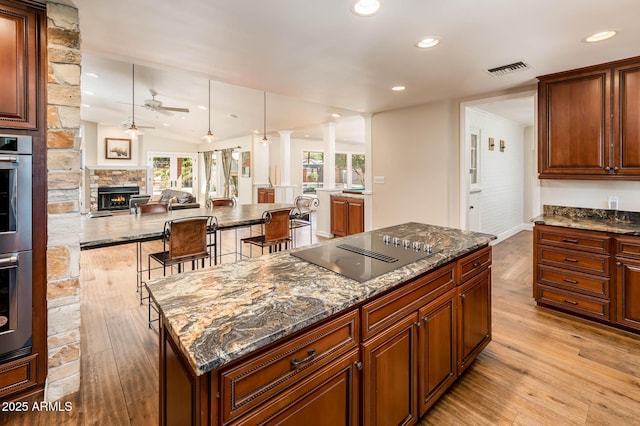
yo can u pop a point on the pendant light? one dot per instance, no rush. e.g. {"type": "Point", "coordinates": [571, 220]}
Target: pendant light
{"type": "Point", "coordinates": [133, 130]}
{"type": "Point", "coordinates": [209, 136]}
{"type": "Point", "coordinates": [265, 141]}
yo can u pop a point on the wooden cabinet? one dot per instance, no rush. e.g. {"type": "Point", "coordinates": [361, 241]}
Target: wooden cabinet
{"type": "Point", "coordinates": [592, 274]}
{"type": "Point", "coordinates": [628, 282]}
{"type": "Point", "coordinates": [389, 392]}
{"type": "Point", "coordinates": [266, 195]}
{"type": "Point", "coordinates": [436, 349]}
{"type": "Point", "coordinates": [572, 271]}
{"type": "Point", "coordinates": [19, 67]}
{"type": "Point", "coordinates": [347, 215]}
{"type": "Point", "coordinates": [589, 125]}
{"type": "Point", "coordinates": [383, 362]}
{"type": "Point", "coordinates": [474, 318]}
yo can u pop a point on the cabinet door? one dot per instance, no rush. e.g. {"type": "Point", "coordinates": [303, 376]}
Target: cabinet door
{"type": "Point", "coordinates": [628, 289]}
{"type": "Point", "coordinates": [339, 218]}
{"type": "Point", "coordinates": [18, 68]}
{"type": "Point", "coordinates": [574, 124]}
{"type": "Point", "coordinates": [626, 112]}
{"type": "Point", "coordinates": [474, 318]}
{"type": "Point", "coordinates": [356, 216]}
{"type": "Point", "coordinates": [436, 349]}
{"type": "Point", "coordinates": [389, 391]}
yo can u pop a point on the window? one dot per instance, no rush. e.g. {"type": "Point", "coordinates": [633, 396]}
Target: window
{"type": "Point", "coordinates": [312, 171]}
{"type": "Point", "coordinates": [350, 171]}
{"type": "Point", "coordinates": [474, 159]}
{"type": "Point", "coordinates": [175, 171]}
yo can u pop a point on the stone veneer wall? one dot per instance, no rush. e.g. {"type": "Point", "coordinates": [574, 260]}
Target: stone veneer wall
{"type": "Point", "coordinates": [64, 180]}
{"type": "Point", "coordinates": [114, 177]}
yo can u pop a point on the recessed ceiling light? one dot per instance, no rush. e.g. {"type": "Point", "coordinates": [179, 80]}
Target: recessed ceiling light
{"type": "Point", "coordinates": [428, 42]}
{"type": "Point", "coordinates": [365, 7]}
{"type": "Point", "coordinates": [166, 124]}
{"type": "Point", "coordinates": [91, 74]}
{"type": "Point", "coordinates": [87, 92]}
{"type": "Point", "coordinates": [336, 115]}
{"type": "Point", "coordinates": [257, 132]}
{"type": "Point", "coordinates": [603, 35]}
{"type": "Point", "coordinates": [86, 105]}
{"type": "Point", "coordinates": [202, 107]}
{"type": "Point", "coordinates": [307, 136]}
{"type": "Point", "coordinates": [398, 88]}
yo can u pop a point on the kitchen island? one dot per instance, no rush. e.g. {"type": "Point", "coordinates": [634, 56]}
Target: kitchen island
{"type": "Point", "coordinates": [278, 339]}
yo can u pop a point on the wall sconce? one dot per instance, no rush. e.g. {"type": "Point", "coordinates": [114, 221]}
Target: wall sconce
{"type": "Point", "coordinates": [501, 145]}
{"type": "Point", "coordinates": [492, 143]}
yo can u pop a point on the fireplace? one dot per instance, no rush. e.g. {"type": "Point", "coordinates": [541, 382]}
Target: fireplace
{"type": "Point", "coordinates": [115, 197]}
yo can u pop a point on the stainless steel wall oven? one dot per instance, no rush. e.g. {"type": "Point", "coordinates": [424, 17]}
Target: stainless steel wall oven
{"type": "Point", "coordinates": [15, 245]}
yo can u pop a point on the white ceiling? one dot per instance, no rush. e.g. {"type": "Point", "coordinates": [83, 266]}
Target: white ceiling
{"type": "Point", "coordinates": [314, 58]}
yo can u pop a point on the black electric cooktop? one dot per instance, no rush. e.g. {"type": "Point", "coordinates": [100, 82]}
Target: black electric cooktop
{"type": "Point", "coordinates": [363, 257]}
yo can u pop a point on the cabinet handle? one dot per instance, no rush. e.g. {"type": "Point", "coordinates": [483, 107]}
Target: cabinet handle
{"type": "Point", "coordinates": [463, 296]}
{"type": "Point", "coordinates": [615, 169]}
{"type": "Point", "coordinates": [568, 259]}
{"type": "Point", "coordinates": [567, 240]}
{"type": "Point", "coordinates": [567, 280]}
{"type": "Point", "coordinates": [425, 318]}
{"type": "Point", "coordinates": [618, 263]}
{"type": "Point", "coordinates": [571, 302]}
{"type": "Point", "coordinates": [417, 324]}
{"type": "Point", "coordinates": [312, 355]}
{"type": "Point", "coordinates": [476, 264]}
{"type": "Point", "coordinates": [358, 365]}
{"type": "Point", "coordinates": [607, 168]}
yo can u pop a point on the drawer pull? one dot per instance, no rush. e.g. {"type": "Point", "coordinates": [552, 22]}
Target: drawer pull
{"type": "Point", "coordinates": [476, 264]}
{"type": "Point", "coordinates": [425, 318]}
{"type": "Point", "coordinates": [618, 263]}
{"type": "Point", "coordinates": [571, 302]}
{"type": "Point", "coordinates": [417, 324]}
{"type": "Point", "coordinates": [567, 280]}
{"type": "Point", "coordinates": [568, 259]}
{"type": "Point", "coordinates": [358, 365]}
{"type": "Point", "coordinates": [567, 240]}
{"type": "Point", "coordinates": [312, 355]}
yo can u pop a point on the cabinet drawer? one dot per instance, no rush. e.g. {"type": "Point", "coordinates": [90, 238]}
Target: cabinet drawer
{"type": "Point", "coordinates": [574, 260]}
{"type": "Point", "coordinates": [386, 310]}
{"type": "Point", "coordinates": [263, 376]}
{"type": "Point", "coordinates": [18, 375]}
{"type": "Point", "coordinates": [472, 264]}
{"type": "Point", "coordinates": [571, 239]}
{"type": "Point", "coordinates": [575, 302]}
{"type": "Point", "coordinates": [573, 281]}
{"type": "Point", "coordinates": [628, 247]}
{"type": "Point", "coordinates": [327, 397]}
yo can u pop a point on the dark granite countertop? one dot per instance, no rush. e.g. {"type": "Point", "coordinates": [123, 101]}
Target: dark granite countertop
{"type": "Point", "coordinates": [219, 314]}
{"type": "Point", "coordinates": [614, 221]}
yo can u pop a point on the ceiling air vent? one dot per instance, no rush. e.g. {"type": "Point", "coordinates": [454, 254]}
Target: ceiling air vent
{"type": "Point", "coordinates": [508, 69]}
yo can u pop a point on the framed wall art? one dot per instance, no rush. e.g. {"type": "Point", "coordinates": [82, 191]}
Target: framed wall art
{"type": "Point", "coordinates": [117, 149]}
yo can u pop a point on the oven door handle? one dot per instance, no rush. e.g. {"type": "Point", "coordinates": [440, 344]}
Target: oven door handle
{"type": "Point", "coordinates": [10, 261]}
{"type": "Point", "coordinates": [4, 159]}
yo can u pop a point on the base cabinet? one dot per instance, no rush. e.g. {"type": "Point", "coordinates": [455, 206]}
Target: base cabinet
{"type": "Point", "coordinates": [384, 362]}
{"type": "Point", "coordinates": [592, 274]}
{"type": "Point", "coordinates": [628, 290]}
{"type": "Point", "coordinates": [266, 195]}
{"type": "Point", "coordinates": [436, 349]}
{"type": "Point", "coordinates": [347, 215]}
{"type": "Point", "coordinates": [389, 368]}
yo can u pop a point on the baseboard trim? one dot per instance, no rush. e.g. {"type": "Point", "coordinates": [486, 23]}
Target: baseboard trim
{"type": "Point", "coordinates": [513, 231]}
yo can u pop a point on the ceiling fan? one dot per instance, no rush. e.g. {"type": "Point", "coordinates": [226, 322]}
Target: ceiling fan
{"type": "Point", "coordinates": [127, 124]}
{"type": "Point", "coordinates": [156, 106]}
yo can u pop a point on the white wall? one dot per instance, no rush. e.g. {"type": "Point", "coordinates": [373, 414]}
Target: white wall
{"type": "Point", "coordinates": [590, 194]}
{"type": "Point", "coordinates": [501, 173]}
{"type": "Point", "coordinates": [530, 167]}
{"type": "Point", "coordinates": [411, 149]}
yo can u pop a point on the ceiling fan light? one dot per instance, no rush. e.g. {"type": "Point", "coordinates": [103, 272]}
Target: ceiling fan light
{"type": "Point", "coordinates": [265, 141]}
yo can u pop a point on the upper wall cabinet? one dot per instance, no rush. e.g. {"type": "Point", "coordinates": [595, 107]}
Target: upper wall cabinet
{"type": "Point", "coordinates": [18, 68]}
{"type": "Point", "coordinates": [589, 124]}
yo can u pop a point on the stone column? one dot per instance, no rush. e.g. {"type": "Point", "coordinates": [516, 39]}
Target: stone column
{"type": "Point", "coordinates": [64, 180]}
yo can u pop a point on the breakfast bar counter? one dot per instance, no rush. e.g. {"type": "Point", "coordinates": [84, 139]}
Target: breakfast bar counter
{"type": "Point", "coordinates": [215, 320]}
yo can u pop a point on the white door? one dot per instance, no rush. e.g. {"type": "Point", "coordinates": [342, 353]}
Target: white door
{"type": "Point", "coordinates": [174, 171]}
{"type": "Point", "coordinates": [475, 190]}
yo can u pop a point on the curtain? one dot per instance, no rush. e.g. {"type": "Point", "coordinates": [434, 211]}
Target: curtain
{"type": "Point", "coordinates": [208, 162]}
{"type": "Point", "coordinates": [226, 168]}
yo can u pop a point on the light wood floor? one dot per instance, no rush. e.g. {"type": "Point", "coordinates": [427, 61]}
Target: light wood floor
{"type": "Point", "coordinates": [542, 368]}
